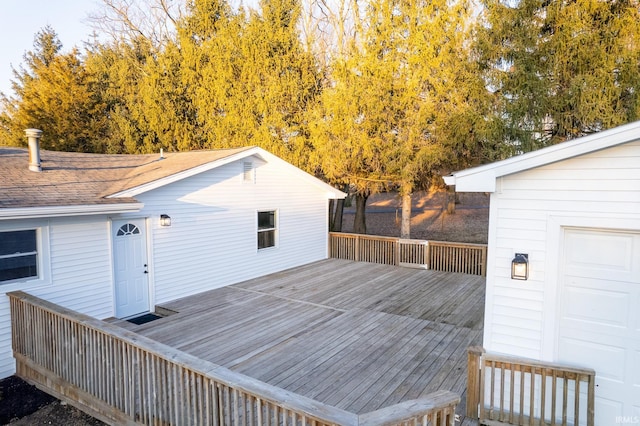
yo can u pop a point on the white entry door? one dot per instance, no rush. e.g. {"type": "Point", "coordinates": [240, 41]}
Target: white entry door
{"type": "Point", "coordinates": [130, 265]}
{"type": "Point", "coordinates": [600, 317]}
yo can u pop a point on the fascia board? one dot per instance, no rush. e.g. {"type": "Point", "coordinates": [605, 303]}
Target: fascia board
{"type": "Point", "coordinates": [59, 211]}
{"type": "Point", "coordinates": [267, 156]}
{"type": "Point", "coordinates": [482, 178]}
{"type": "Point", "coordinates": [332, 192]}
{"type": "Point", "coordinates": [132, 192]}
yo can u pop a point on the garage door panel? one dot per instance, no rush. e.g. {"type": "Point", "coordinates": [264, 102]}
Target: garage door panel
{"type": "Point", "coordinates": [607, 409]}
{"type": "Point", "coordinates": [636, 376]}
{"type": "Point", "coordinates": [587, 354]}
{"type": "Point", "coordinates": [599, 255]}
{"type": "Point", "coordinates": [599, 306]}
{"type": "Point", "coordinates": [636, 313]}
{"type": "Point", "coordinates": [599, 323]}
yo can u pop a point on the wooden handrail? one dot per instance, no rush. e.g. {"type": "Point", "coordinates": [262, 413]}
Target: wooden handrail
{"type": "Point", "coordinates": [436, 255]}
{"type": "Point", "coordinates": [520, 391]}
{"type": "Point", "coordinates": [119, 376]}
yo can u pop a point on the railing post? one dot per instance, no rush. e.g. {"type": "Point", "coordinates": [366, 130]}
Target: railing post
{"type": "Point", "coordinates": [591, 389]}
{"type": "Point", "coordinates": [484, 261]}
{"type": "Point", "coordinates": [397, 252]}
{"type": "Point", "coordinates": [474, 353]}
{"type": "Point", "coordinates": [427, 255]}
{"type": "Point", "coordinates": [330, 246]}
{"type": "Point", "coordinates": [357, 253]}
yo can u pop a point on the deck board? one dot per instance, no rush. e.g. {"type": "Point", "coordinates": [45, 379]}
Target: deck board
{"type": "Point", "coordinates": [355, 335]}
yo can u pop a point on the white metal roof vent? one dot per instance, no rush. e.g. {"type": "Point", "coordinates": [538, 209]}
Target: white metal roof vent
{"type": "Point", "coordinates": [34, 149]}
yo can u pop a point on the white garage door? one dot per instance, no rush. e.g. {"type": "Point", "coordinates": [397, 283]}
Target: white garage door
{"type": "Point", "coordinates": [600, 317]}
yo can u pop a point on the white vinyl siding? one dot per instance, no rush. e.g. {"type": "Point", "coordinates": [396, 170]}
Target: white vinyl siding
{"type": "Point", "coordinates": [212, 238]}
{"type": "Point", "coordinates": [80, 279]}
{"type": "Point", "coordinates": [211, 241]}
{"type": "Point", "coordinates": [528, 212]}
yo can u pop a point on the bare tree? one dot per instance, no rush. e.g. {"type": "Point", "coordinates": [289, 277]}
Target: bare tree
{"type": "Point", "coordinates": [154, 20]}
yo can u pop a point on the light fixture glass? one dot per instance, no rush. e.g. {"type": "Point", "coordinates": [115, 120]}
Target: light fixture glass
{"type": "Point", "coordinates": [520, 267]}
{"type": "Point", "coordinates": [165, 220]}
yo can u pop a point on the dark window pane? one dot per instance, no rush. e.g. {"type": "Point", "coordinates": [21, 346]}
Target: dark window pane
{"type": "Point", "coordinates": [17, 242]}
{"type": "Point", "coordinates": [266, 220]}
{"type": "Point", "coordinates": [13, 268]}
{"type": "Point", "coordinates": [266, 239]}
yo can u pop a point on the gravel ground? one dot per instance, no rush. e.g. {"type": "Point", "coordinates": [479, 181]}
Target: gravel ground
{"type": "Point", "coordinates": [22, 404]}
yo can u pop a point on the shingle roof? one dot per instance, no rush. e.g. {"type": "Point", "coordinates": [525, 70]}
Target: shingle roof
{"type": "Point", "coordinates": [87, 179]}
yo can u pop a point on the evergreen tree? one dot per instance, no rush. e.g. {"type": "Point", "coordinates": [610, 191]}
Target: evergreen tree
{"type": "Point", "coordinates": [563, 69]}
{"type": "Point", "coordinates": [52, 93]}
{"type": "Point", "coordinates": [405, 105]}
{"type": "Point", "coordinates": [117, 72]}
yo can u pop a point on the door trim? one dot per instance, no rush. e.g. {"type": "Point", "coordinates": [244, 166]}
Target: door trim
{"type": "Point", "coordinates": [145, 224]}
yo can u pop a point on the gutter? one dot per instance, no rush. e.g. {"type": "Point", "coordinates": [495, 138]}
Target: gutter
{"type": "Point", "coordinates": [449, 180]}
{"type": "Point", "coordinates": [60, 211]}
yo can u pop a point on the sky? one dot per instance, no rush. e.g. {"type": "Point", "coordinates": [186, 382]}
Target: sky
{"type": "Point", "coordinates": [20, 20]}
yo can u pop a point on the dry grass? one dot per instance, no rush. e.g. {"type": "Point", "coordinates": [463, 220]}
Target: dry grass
{"type": "Point", "coordinates": [429, 219]}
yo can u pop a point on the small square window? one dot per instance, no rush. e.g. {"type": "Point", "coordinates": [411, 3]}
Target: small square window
{"type": "Point", "coordinates": [266, 229]}
{"type": "Point", "coordinates": [18, 255]}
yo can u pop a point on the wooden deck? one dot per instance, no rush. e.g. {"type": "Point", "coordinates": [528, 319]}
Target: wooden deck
{"type": "Point", "coordinates": [358, 336]}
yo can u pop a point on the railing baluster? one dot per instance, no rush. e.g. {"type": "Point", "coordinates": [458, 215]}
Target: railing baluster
{"type": "Point", "coordinates": [436, 255]}
{"type": "Point", "coordinates": [533, 383]}
{"type": "Point", "coordinates": [130, 378]}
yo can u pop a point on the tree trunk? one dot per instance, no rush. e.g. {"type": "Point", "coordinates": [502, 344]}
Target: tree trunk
{"type": "Point", "coordinates": [360, 221]}
{"type": "Point", "coordinates": [337, 220]}
{"type": "Point", "coordinates": [451, 199]}
{"type": "Point", "coordinates": [405, 229]}
{"type": "Point", "coordinates": [331, 220]}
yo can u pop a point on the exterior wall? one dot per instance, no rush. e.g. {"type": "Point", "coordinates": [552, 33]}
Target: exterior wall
{"type": "Point", "coordinates": [212, 240]}
{"type": "Point", "coordinates": [529, 212]}
{"type": "Point", "coordinates": [77, 263]}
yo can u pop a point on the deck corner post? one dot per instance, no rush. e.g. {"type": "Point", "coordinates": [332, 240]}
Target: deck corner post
{"type": "Point", "coordinates": [474, 353]}
{"type": "Point", "coordinates": [397, 252]}
{"type": "Point", "coordinates": [427, 255]}
{"type": "Point", "coordinates": [484, 262]}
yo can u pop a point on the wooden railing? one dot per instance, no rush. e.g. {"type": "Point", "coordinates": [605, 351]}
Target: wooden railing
{"type": "Point", "coordinates": [125, 378]}
{"type": "Point", "coordinates": [458, 257]}
{"type": "Point", "coordinates": [520, 391]}
{"type": "Point", "coordinates": [436, 255]}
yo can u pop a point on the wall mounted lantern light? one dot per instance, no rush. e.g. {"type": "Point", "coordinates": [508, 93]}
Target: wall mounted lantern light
{"type": "Point", "coordinates": [165, 220]}
{"type": "Point", "coordinates": [520, 267]}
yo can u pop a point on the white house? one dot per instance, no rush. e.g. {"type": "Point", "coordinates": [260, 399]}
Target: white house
{"type": "Point", "coordinates": [114, 235]}
{"type": "Point", "coordinates": [574, 209]}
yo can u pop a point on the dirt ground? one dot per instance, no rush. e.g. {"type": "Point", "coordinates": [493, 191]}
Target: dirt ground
{"type": "Point", "coordinates": [22, 404]}
{"type": "Point", "coordinates": [429, 219]}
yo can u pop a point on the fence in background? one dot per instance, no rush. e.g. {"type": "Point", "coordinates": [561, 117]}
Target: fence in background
{"type": "Point", "coordinates": [435, 255]}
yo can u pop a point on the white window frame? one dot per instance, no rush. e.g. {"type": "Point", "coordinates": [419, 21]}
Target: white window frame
{"type": "Point", "coordinates": [274, 229]}
{"type": "Point", "coordinates": [42, 255]}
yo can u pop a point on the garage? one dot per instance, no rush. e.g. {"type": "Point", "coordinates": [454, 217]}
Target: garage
{"type": "Point", "coordinates": [599, 321]}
